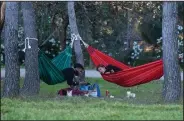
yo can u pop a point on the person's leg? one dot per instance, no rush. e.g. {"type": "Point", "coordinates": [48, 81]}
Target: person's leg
{"type": "Point", "coordinates": [97, 89]}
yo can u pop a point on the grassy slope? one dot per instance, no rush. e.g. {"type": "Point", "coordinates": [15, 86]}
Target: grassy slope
{"type": "Point", "coordinates": [146, 106]}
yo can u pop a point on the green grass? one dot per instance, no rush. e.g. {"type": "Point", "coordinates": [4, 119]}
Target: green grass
{"type": "Point", "coordinates": [147, 105]}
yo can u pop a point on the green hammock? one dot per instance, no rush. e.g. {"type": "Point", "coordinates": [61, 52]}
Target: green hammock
{"type": "Point", "coordinates": [50, 70]}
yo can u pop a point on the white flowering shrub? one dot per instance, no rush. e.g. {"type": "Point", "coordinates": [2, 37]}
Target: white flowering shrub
{"type": "Point", "coordinates": [135, 54]}
{"type": "Point", "coordinates": [136, 51]}
{"type": "Point", "coordinates": [53, 47]}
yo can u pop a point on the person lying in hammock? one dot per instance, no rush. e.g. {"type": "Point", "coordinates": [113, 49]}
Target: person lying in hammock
{"type": "Point", "coordinates": [107, 69]}
{"type": "Point", "coordinates": [70, 73]}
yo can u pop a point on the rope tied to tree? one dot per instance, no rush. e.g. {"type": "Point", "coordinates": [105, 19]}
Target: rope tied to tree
{"type": "Point", "coordinates": [27, 42]}
{"type": "Point", "coordinates": [77, 37]}
{"type": "Point", "coordinates": [73, 38]}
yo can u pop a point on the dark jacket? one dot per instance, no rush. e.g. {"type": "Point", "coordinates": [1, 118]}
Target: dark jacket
{"type": "Point", "coordinates": [111, 67]}
{"type": "Point", "coordinates": [69, 74]}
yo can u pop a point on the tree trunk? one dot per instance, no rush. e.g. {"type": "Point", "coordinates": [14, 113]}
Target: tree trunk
{"type": "Point", "coordinates": [31, 84]}
{"type": "Point", "coordinates": [172, 79]}
{"type": "Point", "coordinates": [62, 34]}
{"type": "Point", "coordinates": [74, 30]}
{"type": "Point", "coordinates": [12, 69]}
{"type": "Point", "coordinates": [2, 14]}
{"type": "Point", "coordinates": [129, 27]}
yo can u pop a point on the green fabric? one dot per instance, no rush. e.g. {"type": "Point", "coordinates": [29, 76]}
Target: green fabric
{"type": "Point", "coordinates": [50, 71]}
{"type": "Point", "coordinates": [63, 60]}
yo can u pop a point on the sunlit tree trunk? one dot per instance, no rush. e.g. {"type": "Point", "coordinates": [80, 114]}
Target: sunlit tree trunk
{"type": "Point", "coordinates": [172, 79]}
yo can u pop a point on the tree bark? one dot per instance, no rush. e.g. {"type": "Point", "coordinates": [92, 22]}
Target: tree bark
{"type": "Point", "coordinates": [62, 34]}
{"type": "Point", "coordinates": [2, 15]}
{"type": "Point", "coordinates": [61, 27]}
{"type": "Point", "coordinates": [31, 84]}
{"type": "Point", "coordinates": [12, 69]}
{"type": "Point", "coordinates": [129, 32]}
{"type": "Point", "coordinates": [74, 30]}
{"type": "Point", "coordinates": [172, 79]}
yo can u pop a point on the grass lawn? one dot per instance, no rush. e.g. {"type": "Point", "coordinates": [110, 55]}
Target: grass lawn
{"type": "Point", "coordinates": [147, 105]}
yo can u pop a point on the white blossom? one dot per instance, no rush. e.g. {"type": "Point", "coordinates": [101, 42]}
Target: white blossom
{"type": "Point", "coordinates": [2, 46]}
{"type": "Point", "coordinates": [134, 47]}
{"type": "Point", "coordinates": [158, 56]}
{"type": "Point", "coordinates": [135, 43]}
{"type": "Point", "coordinates": [180, 43]}
{"type": "Point", "coordinates": [180, 27]}
{"type": "Point", "coordinates": [181, 55]}
{"type": "Point", "coordinates": [52, 40]}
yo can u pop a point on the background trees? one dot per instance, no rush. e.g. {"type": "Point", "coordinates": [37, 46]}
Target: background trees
{"type": "Point", "coordinates": [105, 25]}
{"type": "Point", "coordinates": [131, 32]}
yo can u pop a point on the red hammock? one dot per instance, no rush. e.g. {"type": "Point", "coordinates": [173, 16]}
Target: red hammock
{"type": "Point", "coordinates": [129, 76]}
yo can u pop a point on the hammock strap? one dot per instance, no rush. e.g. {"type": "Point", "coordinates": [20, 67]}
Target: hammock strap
{"type": "Point", "coordinates": [85, 44]}
{"type": "Point", "coordinates": [73, 38]}
{"type": "Point", "coordinates": [77, 37]}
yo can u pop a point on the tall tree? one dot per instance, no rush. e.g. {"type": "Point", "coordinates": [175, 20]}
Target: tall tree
{"type": "Point", "coordinates": [60, 23]}
{"type": "Point", "coordinates": [31, 84]}
{"type": "Point", "coordinates": [2, 15]}
{"type": "Point", "coordinates": [172, 79]}
{"type": "Point", "coordinates": [12, 70]}
{"type": "Point", "coordinates": [74, 30]}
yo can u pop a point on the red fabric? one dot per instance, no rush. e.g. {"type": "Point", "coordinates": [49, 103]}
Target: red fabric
{"type": "Point", "coordinates": [129, 76]}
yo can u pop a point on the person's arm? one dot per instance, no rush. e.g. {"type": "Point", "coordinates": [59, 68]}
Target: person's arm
{"type": "Point", "coordinates": [107, 72]}
{"type": "Point", "coordinates": [114, 68]}
{"type": "Point", "coordinates": [112, 71]}
{"type": "Point", "coordinates": [110, 68]}
{"type": "Point", "coordinates": [76, 81]}
{"type": "Point", "coordinates": [83, 82]}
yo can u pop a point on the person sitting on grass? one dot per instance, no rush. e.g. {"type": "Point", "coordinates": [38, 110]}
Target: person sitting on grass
{"type": "Point", "coordinates": [107, 69]}
{"type": "Point", "coordinates": [70, 73]}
